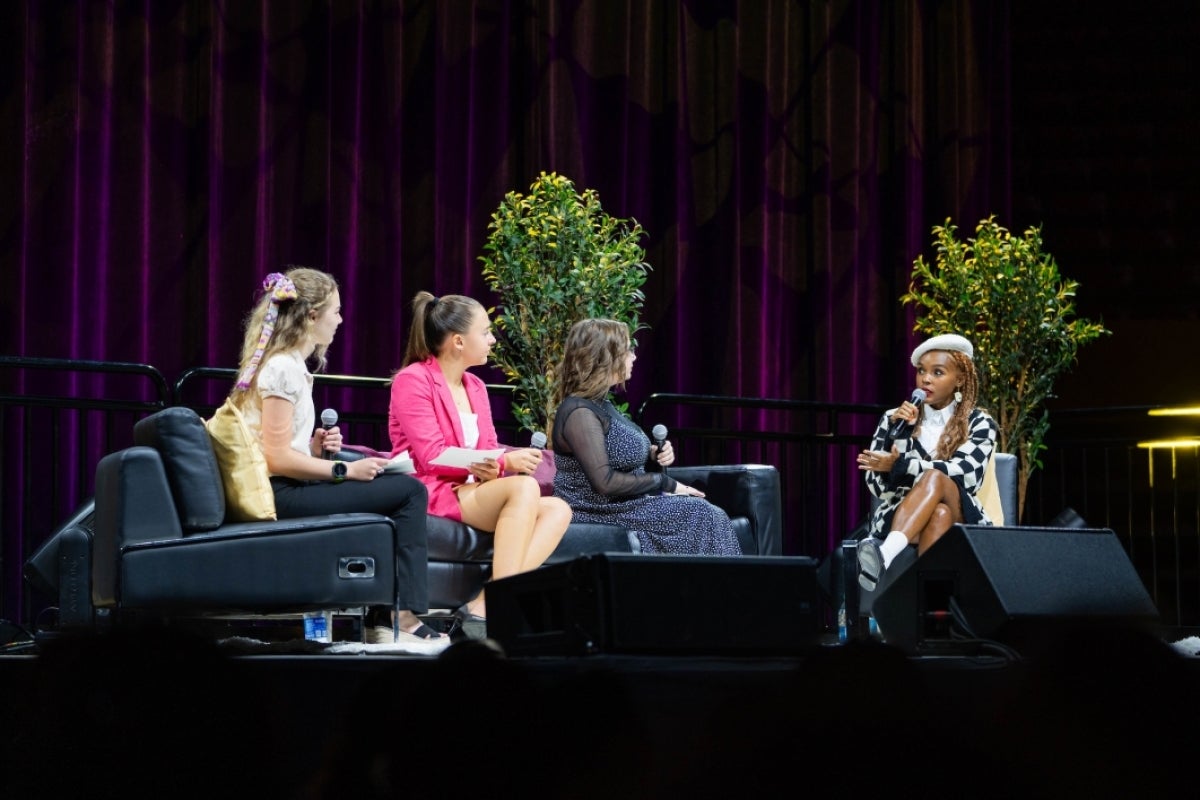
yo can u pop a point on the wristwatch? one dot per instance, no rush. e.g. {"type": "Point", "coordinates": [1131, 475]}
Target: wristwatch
{"type": "Point", "coordinates": [339, 471]}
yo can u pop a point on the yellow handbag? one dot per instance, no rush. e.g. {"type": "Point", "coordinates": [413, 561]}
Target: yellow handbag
{"type": "Point", "coordinates": [248, 492]}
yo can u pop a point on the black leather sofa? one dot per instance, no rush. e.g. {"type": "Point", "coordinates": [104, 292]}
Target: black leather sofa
{"type": "Point", "coordinates": [154, 539]}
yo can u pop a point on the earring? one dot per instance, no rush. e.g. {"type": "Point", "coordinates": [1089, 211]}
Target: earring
{"type": "Point", "coordinates": [957, 396]}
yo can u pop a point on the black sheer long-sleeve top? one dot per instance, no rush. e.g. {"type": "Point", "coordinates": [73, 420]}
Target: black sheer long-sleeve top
{"type": "Point", "coordinates": [612, 452]}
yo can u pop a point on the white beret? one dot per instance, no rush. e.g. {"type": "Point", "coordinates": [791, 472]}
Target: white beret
{"type": "Point", "coordinates": [947, 341]}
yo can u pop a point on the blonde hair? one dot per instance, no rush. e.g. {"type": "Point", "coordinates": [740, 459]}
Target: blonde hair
{"type": "Point", "coordinates": [435, 318]}
{"type": "Point", "coordinates": [593, 359]}
{"type": "Point", "coordinates": [296, 316]}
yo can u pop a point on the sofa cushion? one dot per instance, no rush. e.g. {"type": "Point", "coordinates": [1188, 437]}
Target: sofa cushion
{"type": "Point", "coordinates": [450, 540]}
{"type": "Point", "coordinates": [182, 443]}
{"type": "Point", "coordinates": [456, 541]}
{"type": "Point", "coordinates": [590, 538]}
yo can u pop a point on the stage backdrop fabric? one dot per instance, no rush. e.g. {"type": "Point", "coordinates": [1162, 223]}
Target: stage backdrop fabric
{"type": "Point", "coordinates": [787, 160]}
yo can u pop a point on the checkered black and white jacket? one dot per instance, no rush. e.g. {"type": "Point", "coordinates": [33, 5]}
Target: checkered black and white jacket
{"type": "Point", "coordinates": [966, 466]}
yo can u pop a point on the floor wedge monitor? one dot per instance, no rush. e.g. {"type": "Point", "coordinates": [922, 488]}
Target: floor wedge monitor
{"type": "Point", "coordinates": [629, 603]}
{"type": "Point", "coordinates": [1011, 584]}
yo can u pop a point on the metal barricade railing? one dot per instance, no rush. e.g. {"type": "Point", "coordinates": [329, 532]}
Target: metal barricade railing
{"type": "Point", "coordinates": [61, 416]}
{"type": "Point", "coordinates": [58, 417]}
{"type": "Point", "coordinates": [361, 402]}
{"type": "Point", "coordinates": [1101, 470]}
{"type": "Point", "coordinates": [812, 444]}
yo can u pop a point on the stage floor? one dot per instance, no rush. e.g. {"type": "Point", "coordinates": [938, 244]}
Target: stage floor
{"type": "Point", "coordinates": [128, 714]}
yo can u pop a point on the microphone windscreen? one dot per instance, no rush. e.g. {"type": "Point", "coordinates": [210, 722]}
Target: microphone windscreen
{"type": "Point", "coordinates": [538, 440]}
{"type": "Point", "coordinates": [328, 418]}
{"type": "Point", "coordinates": [918, 397]}
{"type": "Point", "coordinates": [659, 432]}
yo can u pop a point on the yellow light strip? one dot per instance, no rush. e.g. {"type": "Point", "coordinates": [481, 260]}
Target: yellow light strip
{"type": "Point", "coordinates": [1169, 443]}
{"type": "Point", "coordinates": [1183, 411]}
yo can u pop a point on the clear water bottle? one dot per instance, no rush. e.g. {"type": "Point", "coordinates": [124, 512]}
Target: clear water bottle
{"type": "Point", "coordinates": [318, 625]}
{"type": "Point", "coordinates": [841, 623]}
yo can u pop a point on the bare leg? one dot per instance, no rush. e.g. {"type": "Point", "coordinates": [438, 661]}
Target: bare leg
{"type": "Point", "coordinates": [408, 621]}
{"type": "Point", "coordinates": [553, 517]}
{"type": "Point", "coordinates": [919, 507]}
{"type": "Point", "coordinates": [509, 507]}
{"type": "Point", "coordinates": [938, 524]}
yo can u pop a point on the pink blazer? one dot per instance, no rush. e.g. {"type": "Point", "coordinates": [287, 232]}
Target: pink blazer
{"type": "Point", "coordinates": [423, 420]}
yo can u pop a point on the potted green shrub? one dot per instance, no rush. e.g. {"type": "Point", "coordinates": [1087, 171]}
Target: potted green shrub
{"type": "Point", "coordinates": [553, 257]}
{"type": "Point", "coordinates": [1005, 294]}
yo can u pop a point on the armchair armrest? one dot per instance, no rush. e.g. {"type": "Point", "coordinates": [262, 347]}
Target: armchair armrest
{"type": "Point", "coordinates": [747, 491]}
{"type": "Point", "coordinates": [133, 503]}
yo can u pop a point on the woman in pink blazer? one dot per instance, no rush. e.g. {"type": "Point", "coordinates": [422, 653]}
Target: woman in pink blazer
{"type": "Point", "coordinates": [437, 404]}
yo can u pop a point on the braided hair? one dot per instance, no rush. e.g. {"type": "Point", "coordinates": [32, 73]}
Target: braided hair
{"type": "Point", "coordinates": [957, 430]}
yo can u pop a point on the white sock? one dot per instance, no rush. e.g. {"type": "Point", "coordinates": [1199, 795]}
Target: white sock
{"type": "Point", "coordinates": [892, 546]}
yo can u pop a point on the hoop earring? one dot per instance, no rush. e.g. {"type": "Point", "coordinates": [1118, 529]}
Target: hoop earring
{"type": "Point", "coordinates": [957, 396]}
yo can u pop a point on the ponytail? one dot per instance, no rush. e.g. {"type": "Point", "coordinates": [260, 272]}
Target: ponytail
{"type": "Point", "coordinates": [435, 318]}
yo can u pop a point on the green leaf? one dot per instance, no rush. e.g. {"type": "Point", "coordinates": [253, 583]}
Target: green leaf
{"type": "Point", "coordinates": [553, 257]}
{"type": "Point", "coordinates": [1010, 299]}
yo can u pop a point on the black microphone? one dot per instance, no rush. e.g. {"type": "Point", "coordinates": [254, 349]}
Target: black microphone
{"type": "Point", "coordinates": [538, 440]}
{"type": "Point", "coordinates": [902, 428]}
{"type": "Point", "coordinates": [328, 420]}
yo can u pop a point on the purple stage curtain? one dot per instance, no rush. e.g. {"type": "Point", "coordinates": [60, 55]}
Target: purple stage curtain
{"type": "Point", "coordinates": [787, 160]}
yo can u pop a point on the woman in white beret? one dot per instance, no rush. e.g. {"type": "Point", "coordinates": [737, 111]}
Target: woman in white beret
{"type": "Point", "coordinates": [927, 458]}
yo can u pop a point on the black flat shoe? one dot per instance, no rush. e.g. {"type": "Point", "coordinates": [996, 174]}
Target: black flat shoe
{"type": "Point", "coordinates": [870, 563]}
{"type": "Point", "coordinates": [471, 625]}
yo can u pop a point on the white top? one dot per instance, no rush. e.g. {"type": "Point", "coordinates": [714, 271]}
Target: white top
{"type": "Point", "coordinates": [470, 428]}
{"type": "Point", "coordinates": [933, 424]}
{"type": "Point", "coordinates": [286, 375]}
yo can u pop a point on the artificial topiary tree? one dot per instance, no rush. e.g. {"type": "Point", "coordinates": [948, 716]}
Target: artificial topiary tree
{"type": "Point", "coordinates": [553, 257]}
{"type": "Point", "coordinates": [1006, 295]}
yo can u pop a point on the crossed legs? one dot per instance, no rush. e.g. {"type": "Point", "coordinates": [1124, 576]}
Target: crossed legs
{"type": "Point", "coordinates": [527, 526]}
{"type": "Point", "coordinates": [928, 510]}
{"type": "Point", "coordinates": [923, 516]}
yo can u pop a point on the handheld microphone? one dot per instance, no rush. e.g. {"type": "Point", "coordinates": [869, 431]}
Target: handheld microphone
{"type": "Point", "coordinates": [538, 440]}
{"type": "Point", "coordinates": [659, 432]}
{"type": "Point", "coordinates": [329, 419]}
{"type": "Point", "coordinates": [902, 429]}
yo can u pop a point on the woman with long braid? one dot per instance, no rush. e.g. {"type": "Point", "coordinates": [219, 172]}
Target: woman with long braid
{"type": "Point", "coordinates": [927, 479]}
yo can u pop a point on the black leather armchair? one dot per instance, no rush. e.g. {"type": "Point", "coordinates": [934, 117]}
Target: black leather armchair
{"type": "Point", "coordinates": [460, 556]}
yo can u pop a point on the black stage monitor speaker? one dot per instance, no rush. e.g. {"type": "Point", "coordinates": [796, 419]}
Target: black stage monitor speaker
{"type": "Point", "coordinates": [629, 603]}
{"type": "Point", "coordinates": [1010, 584]}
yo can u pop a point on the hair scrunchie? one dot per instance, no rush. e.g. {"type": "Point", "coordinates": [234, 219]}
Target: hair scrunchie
{"type": "Point", "coordinates": [280, 288]}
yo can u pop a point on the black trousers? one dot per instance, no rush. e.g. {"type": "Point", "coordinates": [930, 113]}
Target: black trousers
{"type": "Point", "coordinates": [400, 497]}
